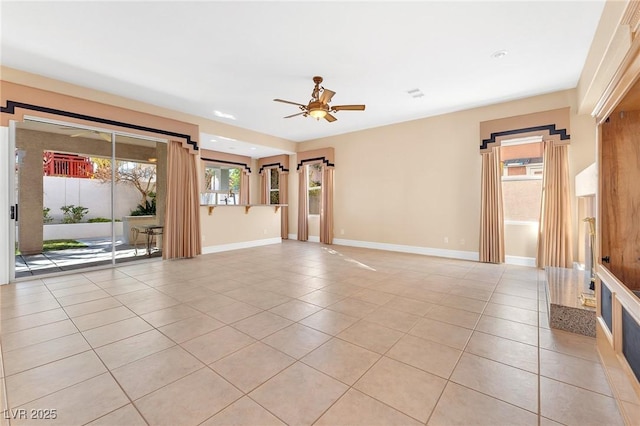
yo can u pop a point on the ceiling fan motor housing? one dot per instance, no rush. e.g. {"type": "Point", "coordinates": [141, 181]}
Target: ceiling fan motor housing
{"type": "Point", "coordinates": [313, 105]}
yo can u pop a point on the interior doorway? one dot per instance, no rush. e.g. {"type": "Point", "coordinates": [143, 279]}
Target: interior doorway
{"type": "Point", "coordinates": [85, 197]}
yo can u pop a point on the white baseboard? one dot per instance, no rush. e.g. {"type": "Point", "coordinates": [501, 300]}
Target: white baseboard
{"type": "Point", "coordinates": [311, 239]}
{"type": "Point", "coordinates": [427, 251]}
{"type": "Point", "coordinates": [452, 254]}
{"type": "Point", "coordinates": [521, 261]}
{"type": "Point", "coordinates": [242, 245]}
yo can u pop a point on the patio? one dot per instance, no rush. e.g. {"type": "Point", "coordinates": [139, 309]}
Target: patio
{"type": "Point", "coordinates": [97, 252]}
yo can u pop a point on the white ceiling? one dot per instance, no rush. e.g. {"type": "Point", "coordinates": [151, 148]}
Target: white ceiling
{"type": "Point", "coordinates": [236, 57]}
{"type": "Point", "coordinates": [235, 146]}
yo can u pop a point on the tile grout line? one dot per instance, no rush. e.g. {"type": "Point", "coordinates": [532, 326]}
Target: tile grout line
{"type": "Point", "coordinates": [5, 396]}
{"type": "Point", "coordinates": [92, 349]}
{"type": "Point", "coordinates": [382, 356]}
{"type": "Point", "coordinates": [463, 351]}
{"type": "Point", "coordinates": [112, 377]}
{"type": "Point", "coordinates": [539, 371]}
{"type": "Point", "coordinates": [405, 333]}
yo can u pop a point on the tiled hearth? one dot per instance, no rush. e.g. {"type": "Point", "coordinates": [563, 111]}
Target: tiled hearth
{"type": "Point", "coordinates": [566, 310]}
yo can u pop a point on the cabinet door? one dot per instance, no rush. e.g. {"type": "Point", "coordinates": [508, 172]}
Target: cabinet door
{"type": "Point", "coordinates": [620, 196]}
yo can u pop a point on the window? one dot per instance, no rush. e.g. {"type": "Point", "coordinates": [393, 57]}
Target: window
{"type": "Point", "coordinates": [522, 181]}
{"type": "Point", "coordinates": [315, 187]}
{"type": "Point", "coordinates": [274, 186]}
{"type": "Point", "coordinates": [222, 183]}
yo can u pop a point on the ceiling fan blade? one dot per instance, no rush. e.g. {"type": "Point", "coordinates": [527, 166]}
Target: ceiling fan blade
{"type": "Point", "coordinates": [326, 96]}
{"type": "Point", "coordinates": [293, 115]}
{"type": "Point", "coordinates": [289, 102]}
{"type": "Point", "coordinates": [348, 108]}
{"type": "Point", "coordinates": [330, 118]}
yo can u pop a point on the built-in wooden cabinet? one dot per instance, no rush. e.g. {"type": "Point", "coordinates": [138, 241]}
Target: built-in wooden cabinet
{"type": "Point", "coordinates": [620, 192]}
{"type": "Point", "coordinates": [618, 230]}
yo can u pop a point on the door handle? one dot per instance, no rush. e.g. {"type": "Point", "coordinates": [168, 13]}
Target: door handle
{"type": "Point", "coordinates": [14, 212]}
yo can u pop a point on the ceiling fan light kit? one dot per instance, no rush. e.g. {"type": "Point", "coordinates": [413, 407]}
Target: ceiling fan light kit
{"type": "Point", "coordinates": [318, 107]}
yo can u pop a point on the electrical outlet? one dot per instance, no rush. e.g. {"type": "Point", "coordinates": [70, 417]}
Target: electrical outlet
{"type": "Point", "coordinates": [462, 241]}
{"type": "Point", "coordinates": [265, 232]}
{"type": "Point", "coordinates": [446, 240]}
{"type": "Point", "coordinates": [341, 231]}
{"type": "Point", "coordinates": [203, 238]}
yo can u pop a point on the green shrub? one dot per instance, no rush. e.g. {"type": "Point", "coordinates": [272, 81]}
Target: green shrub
{"type": "Point", "coordinates": [46, 218]}
{"type": "Point", "coordinates": [73, 214]}
{"type": "Point", "coordinates": [148, 208]}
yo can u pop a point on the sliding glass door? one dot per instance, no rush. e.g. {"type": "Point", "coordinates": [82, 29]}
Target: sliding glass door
{"type": "Point", "coordinates": [139, 194]}
{"type": "Point", "coordinates": [75, 191]}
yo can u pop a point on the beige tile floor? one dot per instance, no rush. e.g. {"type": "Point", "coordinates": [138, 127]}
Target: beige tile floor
{"type": "Point", "coordinates": [296, 333]}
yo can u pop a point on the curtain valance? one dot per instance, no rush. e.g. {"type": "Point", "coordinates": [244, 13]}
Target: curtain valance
{"type": "Point", "coordinates": [550, 125]}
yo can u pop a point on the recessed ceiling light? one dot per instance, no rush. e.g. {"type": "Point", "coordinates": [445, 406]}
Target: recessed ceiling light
{"type": "Point", "coordinates": [223, 115]}
{"type": "Point", "coordinates": [213, 140]}
{"type": "Point", "coordinates": [253, 148]}
{"type": "Point", "coordinates": [499, 54]}
{"type": "Point", "coordinates": [226, 139]}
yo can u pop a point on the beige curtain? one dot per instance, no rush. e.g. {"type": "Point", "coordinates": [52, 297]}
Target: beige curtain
{"type": "Point", "coordinates": [326, 211]}
{"type": "Point", "coordinates": [491, 216]}
{"type": "Point", "coordinates": [182, 215]}
{"type": "Point", "coordinates": [284, 199]}
{"type": "Point", "coordinates": [244, 187]}
{"type": "Point", "coordinates": [554, 238]}
{"type": "Point", "coordinates": [303, 204]}
{"type": "Point", "coordinates": [264, 186]}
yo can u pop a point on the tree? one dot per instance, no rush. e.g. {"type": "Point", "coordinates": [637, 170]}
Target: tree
{"type": "Point", "coordinates": [140, 175]}
{"type": "Point", "coordinates": [234, 179]}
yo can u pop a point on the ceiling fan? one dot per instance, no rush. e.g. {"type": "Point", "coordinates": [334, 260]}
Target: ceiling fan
{"type": "Point", "coordinates": [318, 107]}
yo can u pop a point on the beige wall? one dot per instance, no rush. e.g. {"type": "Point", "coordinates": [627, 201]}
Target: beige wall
{"type": "Point", "coordinates": [417, 183]}
{"type": "Point", "coordinates": [230, 225]}
{"type": "Point", "coordinates": [521, 240]}
{"type": "Point", "coordinates": [293, 196]}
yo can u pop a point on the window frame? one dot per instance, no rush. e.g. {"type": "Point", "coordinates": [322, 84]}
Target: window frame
{"type": "Point", "coordinates": [219, 194]}
{"type": "Point", "coordinates": [271, 189]}
{"type": "Point", "coordinates": [315, 188]}
{"type": "Point", "coordinates": [529, 176]}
